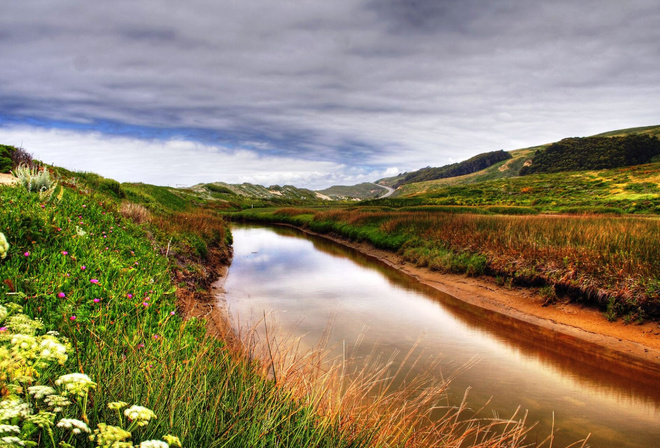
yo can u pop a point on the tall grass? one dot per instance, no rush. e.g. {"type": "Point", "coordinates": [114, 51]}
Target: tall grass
{"type": "Point", "coordinates": [367, 395]}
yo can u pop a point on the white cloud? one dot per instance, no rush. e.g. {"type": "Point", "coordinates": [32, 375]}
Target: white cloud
{"type": "Point", "coordinates": [173, 162]}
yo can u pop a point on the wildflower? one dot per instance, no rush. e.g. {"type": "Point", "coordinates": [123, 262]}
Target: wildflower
{"type": "Point", "coordinates": [79, 231]}
{"type": "Point", "coordinates": [76, 384]}
{"type": "Point", "coordinates": [12, 408]}
{"type": "Point", "coordinates": [140, 345]}
{"type": "Point", "coordinates": [65, 252]}
{"type": "Point", "coordinates": [97, 300]}
{"type": "Point", "coordinates": [72, 318]}
{"type": "Point", "coordinates": [76, 426]}
{"type": "Point", "coordinates": [40, 392]}
{"type": "Point", "coordinates": [93, 280]}
{"type": "Point", "coordinates": [154, 444]}
{"type": "Point", "coordinates": [11, 441]}
{"type": "Point", "coordinates": [83, 267]}
{"type": "Point", "coordinates": [172, 313]}
{"type": "Point", "coordinates": [3, 328]}
{"type": "Point", "coordinates": [52, 350]}
{"type": "Point", "coordinates": [172, 440]}
{"type": "Point", "coordinates": [130, 296]}
{"type": "Point", "coordinates": [9, 428]}
{"type": "Point", "coordinates": [43, 419]}
{"type": "Point", "coordinates": [27, 254]}
{"type": "Point", "coordinates": [20, 323]}
{"type": "Point", "coordinates": [107, 435]}
{"type": "Point", "coordinates": [61, 295]}
{"type": "Point", "coordinates": [57, 402]}
{"type": "Point", "coordinates": [145, 304]}
{"type": "Point", "coordinates": [4, 246]}
{"type": "Point", "coordinates": [156, 336]}
{"type": "Point", "coordinates": [139, 414]}
{"type": "Point", "coordinates": [3, 313]}
{"type": "Point", "coordinates": [116, 405]}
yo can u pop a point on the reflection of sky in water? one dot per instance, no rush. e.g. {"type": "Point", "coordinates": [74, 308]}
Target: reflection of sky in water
{"type": "Point", "coordinates": [304, 289]}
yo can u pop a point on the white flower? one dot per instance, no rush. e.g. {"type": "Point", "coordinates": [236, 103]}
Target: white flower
{"type": "Point", "coordinates": [139, 414]}
{"type": "Point", "coordinates": [80, 231]}
{"type": "Point", "coordinates": [52, 350]}
{"type": "Point", "coordinates": [76, 383]}
{"type": "Point", "coordinates": [9, 428]}
{"type": "Point", "coordinates": [40, 392]}
{"type": "Point", "coordinates": [154, 444]}
{"type": "Point", "coordinates": [57, 402]}
{"type": "Point", "coordinates": [117, 405]}
{"type": "Point", "coordinates": [11, 441]}
{"type": "Point", "coordinates": [76, 426]}
{"type": "Point", "coordinates": [12, 408]}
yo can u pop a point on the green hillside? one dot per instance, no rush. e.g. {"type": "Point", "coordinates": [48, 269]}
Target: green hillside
{"type": "Point", "coordinates": [366, 190]}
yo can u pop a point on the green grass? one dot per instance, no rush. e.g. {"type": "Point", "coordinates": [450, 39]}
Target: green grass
{"type": "Point", "coordinates": [132, 339]}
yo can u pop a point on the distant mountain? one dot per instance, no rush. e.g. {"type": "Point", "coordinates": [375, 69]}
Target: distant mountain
{"type": "Point", "coordinates": [287, 192]}
{"type": "Point", "coordinates": [472, 165]}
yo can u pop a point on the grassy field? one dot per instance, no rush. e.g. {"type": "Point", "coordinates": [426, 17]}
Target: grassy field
{"type": "Point", "coordinates": [616, 191]}
{"type": "Point", "coordinates": [611, 262]}
{"type": "Point", "coordinates": [106, 273]}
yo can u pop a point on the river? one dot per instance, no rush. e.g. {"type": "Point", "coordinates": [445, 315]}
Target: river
{"type": "Point", "coordinates": [305, 283]}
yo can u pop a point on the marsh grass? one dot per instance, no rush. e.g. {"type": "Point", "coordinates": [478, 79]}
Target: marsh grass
{"type": "Point", "coordinates": [377, 395]}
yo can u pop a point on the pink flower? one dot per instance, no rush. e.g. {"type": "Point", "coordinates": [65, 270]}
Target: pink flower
{"type": "Point", "coordinates": [27, 254]}
{"type": "Point", "coordinates": [59, 229]}
{"type": "Point", "coordinates": [3, 328]}
{"type": "Point", "coordinates": [145, 303]}
{"type": "Point", "coordinates": [172, 313]}
{"type": "Point", "coordinates": [65, 252]}
{"type": "Point", "coordinates": [83, 267]}
{"type": "Point", "coordinates": [72, 318]}
{"type": "Point", "coordinates": [97, 300]}
{"type": "Point", "coordinates": [140, 345]}
{"type": "Point", "coordinates": [156, 336]}
{"type": "Point", "coordinates": [61, 295]}
{"type": "Point", "coordinates": [130, 296]}
{"type": "Point", "coordinates": [93, 280]}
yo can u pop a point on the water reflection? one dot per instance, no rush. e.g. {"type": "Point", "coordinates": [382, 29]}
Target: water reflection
{"type": "Point", "coordinates": [307, 282]}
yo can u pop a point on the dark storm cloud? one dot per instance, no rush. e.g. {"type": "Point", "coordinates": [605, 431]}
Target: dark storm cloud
{"type": "Point", "coordinates": [374, 84]}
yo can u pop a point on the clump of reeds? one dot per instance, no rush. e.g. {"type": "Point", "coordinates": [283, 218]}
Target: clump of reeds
{"type": "Point", "coordinates": [369, 396]}
{"type": "Point", "coordinates": [135, 212]}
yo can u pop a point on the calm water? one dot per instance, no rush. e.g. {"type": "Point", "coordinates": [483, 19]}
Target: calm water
{"type": "Point", "coordinates": [305, 283]}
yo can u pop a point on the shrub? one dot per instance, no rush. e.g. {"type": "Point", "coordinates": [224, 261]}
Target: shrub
{"type": "Point", "coordinates": [35, 179]}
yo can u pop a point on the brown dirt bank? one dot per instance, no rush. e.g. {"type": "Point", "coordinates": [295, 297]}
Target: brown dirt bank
{"type": "Point", "coordinates": [594, 339]}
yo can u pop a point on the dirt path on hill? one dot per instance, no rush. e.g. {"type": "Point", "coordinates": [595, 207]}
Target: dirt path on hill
{"type": "Point", "coordinates": [578, 326]}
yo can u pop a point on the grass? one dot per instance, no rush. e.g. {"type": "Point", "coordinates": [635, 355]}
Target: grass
{"type": "Point", "coordinates": [612, 262]}
{"type": "Point", "coordinates": [631, 190]}
{"type": "Point", "coordinates": [107, 273]}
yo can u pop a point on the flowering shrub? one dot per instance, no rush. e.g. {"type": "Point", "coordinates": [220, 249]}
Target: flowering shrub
{"type": "Point", "coordinates": [28, 409]}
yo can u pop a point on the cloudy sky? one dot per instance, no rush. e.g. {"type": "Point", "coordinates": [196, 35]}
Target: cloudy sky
{"type": "Point", "coordinates": [316, 92]}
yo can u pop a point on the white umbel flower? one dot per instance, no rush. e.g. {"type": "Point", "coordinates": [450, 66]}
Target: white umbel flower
{"type": "Point", "coordinates": [154, 444]}
{"type": "Point", "coordinates": [76, 426]}
{"type": "Point", "coordinates": [40, 392]}
{"type": "Point", "coordinates": [139, 414]}
{"type": "Point", "coordinates": [76, 383]}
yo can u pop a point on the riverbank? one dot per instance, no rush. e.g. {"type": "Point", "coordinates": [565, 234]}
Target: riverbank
{"type": "Point", "coordinates": [637, 346]}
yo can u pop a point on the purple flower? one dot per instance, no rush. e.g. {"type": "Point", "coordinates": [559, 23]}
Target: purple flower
{"type": "Point", "coordinates": [27, 254]}
{"type": "Point", "coordinates": [93, 280]}
{"type": "Point", "coordinates": [97, 300]}
{"type": "Point", "coordinates": [130, 296]}
{"type": "Point", "coordinates": [72, 318]}
{"type": "Point", "coordinates": [61, 295]}
{"type": "Point", "coordinates": [145, 303]}
{"type": "Point", "coordinates": [3, 328]}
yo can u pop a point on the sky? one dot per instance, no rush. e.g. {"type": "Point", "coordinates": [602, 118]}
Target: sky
{"type": "Point", "coordinates": [316, 93]}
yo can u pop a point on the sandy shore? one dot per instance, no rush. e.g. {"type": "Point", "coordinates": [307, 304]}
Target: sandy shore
{"type": "Point", "coordinates": [582, 328]}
